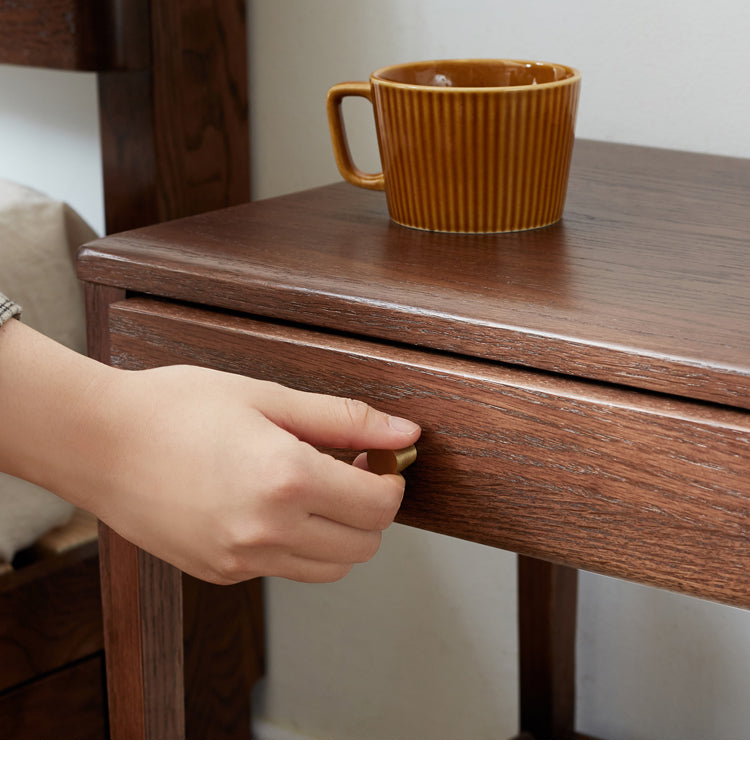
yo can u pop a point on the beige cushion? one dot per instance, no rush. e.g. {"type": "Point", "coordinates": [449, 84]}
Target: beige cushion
{"type": "Point", "coordinates": [38, 240]}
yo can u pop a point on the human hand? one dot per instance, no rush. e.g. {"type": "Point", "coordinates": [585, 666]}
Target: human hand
{"type": "Point", "coordinates": [216, 474]}
{"type": "Point", "coordinates": [212, 472]}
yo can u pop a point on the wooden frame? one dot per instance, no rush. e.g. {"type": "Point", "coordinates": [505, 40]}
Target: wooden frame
{"type": "Point", "coordinates": [549, 430]}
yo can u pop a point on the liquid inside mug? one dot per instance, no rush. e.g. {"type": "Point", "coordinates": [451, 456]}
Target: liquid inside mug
{"type": "Point", "coordinates": [467, 145]}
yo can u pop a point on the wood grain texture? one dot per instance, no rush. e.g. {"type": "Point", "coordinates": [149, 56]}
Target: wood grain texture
{"type": "Point", "coordinates": [223, 644]}
{"type": "Point", "coordinates": [200, 105]}
{"type": "Point", "coordinates": [74, 34]}
{"type": "Point", "coordinates": [547, 599]}
{"type": "Point", "coordinates": [50, 616]}
{"type": "Point", "coordinates": [224, 656]}
{"type": "Point", "coordinates": [142, 608]}
{"type": "Point", "coordinates": [97, 299]}
{"type": "Point", "coordinates": [160, 600]}
{"type": "Point", "coordinates": [68, 705]}
{"type": "Point", "coordinates": [619, 482]}
{"type": "Point", "coordinates": [122, 634]}
{"type": "Point", "coordinates": [645, 282]}
{"type": "Point", "coordinates": [129, 161]}
{"type": "Point", "coordinates": [174, 133]}
{"type": "Point", "coordinates": [223, 647]}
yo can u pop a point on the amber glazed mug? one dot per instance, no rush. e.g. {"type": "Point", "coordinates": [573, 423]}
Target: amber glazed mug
{"type": "Point", "coordinates": [467, 145]}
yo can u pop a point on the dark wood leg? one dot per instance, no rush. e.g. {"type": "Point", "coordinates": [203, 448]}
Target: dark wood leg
{"type": "Point", "coordinates": [97, 300]}
{"type": "Point", "coordinates": [224, 656]}
{"type": "Point", "coordinates": [142, 614]}
{"type": "Point", "coordinates": [547, 600]}
{"type": "Point", "coordinates": [141, 604]}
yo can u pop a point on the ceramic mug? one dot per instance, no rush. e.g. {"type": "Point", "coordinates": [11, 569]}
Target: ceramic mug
{"type": "Point", "coordinates": [467, 145]}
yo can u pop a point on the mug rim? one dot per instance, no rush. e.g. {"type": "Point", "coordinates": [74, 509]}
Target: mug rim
{"type": "Point", "coordinates": [379, 75]}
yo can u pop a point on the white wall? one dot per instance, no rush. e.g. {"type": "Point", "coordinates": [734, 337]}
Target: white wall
{"type": "Point", "coordinates": [49, 136]}
{"type": "Point", "coordinates": [421, 642]}
{"type": "Point", "coordinates": [668, 73]}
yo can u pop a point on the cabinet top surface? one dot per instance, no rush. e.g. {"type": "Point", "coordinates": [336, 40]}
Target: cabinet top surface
{"type": "Point", "coordinates": [645, 282]}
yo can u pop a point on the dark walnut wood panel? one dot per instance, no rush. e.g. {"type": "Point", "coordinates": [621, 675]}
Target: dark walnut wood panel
{"type": "Point", "coordinates": [68, 705]}
{"type": "Point", "coordinates": [645, 282]}
{"type": "Point", "coordinates": [547, 616]}
{"type": "Point", "coordinates": [143, 622]}
{"type": "Point", "coordinates": [175, 135]}
{"type": "Point", "coordinates": [51, 619]}
{"type": "Point", "coordinates": [614, 481]}
{"type": "Point", "coordinates": [201, 127]}
{"type": "Point", "coordinates": [75, 34]}
{"type": "Point", "coordinates": [225, 648]}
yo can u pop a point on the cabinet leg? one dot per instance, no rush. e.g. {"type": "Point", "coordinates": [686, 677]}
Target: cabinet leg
{"type": "Point", "coordinates": [224, 656]}
{"type": "Point", "coordinates": [547, 601]}
{"type": "Point", "coordinates": [142, 615]}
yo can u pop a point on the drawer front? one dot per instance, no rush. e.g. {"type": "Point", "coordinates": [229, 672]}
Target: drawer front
{"type": "Point", "coordinates": [619, 482]}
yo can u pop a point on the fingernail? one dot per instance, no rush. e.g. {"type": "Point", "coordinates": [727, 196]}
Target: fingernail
{"type": "Point", "coordinates": [401, 424]}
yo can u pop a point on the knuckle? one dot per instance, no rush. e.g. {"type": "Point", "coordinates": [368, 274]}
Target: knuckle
{"type": "Point", "coordinates": [358, 413]}
{"type": "Point", "coordinates": [285, 483]}
{"type": "Point", "coordinates": [265, 535]}
{"type": "Point", "coordinates": [262, 538]}
{"type": "Point", "coordinates": [231, 568]}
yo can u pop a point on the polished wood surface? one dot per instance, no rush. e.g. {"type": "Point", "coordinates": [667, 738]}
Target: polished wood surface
{"type": "Point", "coordinates": [615, 481]}
{"type": "Point", "coordinates": [547, 619]}
{"type": "Point", "coordinates": [50, 616]}
{"type": "Point", "coordinates": [174, 132]}
{"type": "Point", "coordinates": [73, 34]}
{"type": "Point", "coordinates": [224, 633]}
{"type": "Point", "coordinates": [142, 601]}
{"type": "Point", "coordinates": [584, 388]}
{"type": "Point", "coordinates": [172, 87]}
{"type": "Point", "coordinates": [67, 705]}
{"type": "Point", "coordinates": [644, 282]}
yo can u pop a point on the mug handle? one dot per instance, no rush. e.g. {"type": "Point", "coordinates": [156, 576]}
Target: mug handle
{"type": "Point", "coordinates": [341, 151]}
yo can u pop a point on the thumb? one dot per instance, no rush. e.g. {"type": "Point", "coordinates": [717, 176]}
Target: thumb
{"type": "Point", "coordinates": [337, 422]}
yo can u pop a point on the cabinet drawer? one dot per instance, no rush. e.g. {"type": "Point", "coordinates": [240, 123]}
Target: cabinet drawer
{"type": "Point", "coordinates": [619, 482]}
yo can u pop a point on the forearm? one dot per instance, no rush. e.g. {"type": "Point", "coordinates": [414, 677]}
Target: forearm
{"type": "Point", "coordinates": [48, 398]}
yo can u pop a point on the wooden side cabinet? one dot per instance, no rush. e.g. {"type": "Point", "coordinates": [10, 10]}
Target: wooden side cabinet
{"type": "Point", "coordinates": [584, 389]}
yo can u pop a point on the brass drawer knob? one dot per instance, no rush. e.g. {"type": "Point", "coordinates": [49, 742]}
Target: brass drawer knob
{"type": "Point", "coordinates": [391, 461]}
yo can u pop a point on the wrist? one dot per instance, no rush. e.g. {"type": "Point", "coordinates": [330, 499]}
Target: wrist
{"type": "Point", "coordinates": [51, 404]}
